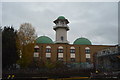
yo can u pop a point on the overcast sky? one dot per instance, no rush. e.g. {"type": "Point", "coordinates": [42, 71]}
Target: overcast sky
{"type": "Point", "coordinates": [97, 21]}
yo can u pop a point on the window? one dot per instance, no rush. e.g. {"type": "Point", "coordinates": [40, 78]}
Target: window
{"type": "Point", "coordinates": [60, 59]}
{"type": "Point", "coordinates": [36, 54]}
{"type": "Point", "coordinates": [72, 55]}
{"type": "Point", "coordinates": [62, 38]}
{"type": "Point", "coordinates": [48, 55]}
{"type": "Point", "coordinates": [48, 59]}
{"type": "Point", "coordinates": [72, 59]}
{"type": "Point", "coordinates": [62, 22]}
{"type": "Point", "coordinates": [72, 49]}
{"type": "Point", "coordinates": [72, 52]}
{"type": "Point", "coordinates": [87, 50]}
{"type": "Point", "coordinates": [87, 55]}
{"type": "Point", "coordinates": [60, 49]}
{"type": "Point", "coordinates": [88, 60]}
{"type": "Point", "coordinates": [48, 49]}
{"type": "Point", "coordinates": [36, 48]}
{"type": "Point", "coordinates": [60, 53]}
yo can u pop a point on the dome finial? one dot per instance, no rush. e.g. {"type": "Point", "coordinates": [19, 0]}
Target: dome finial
{"type": "Point", "coordinates": [44, 34]}
{"type": "Point", "coordinates": [81, 36]}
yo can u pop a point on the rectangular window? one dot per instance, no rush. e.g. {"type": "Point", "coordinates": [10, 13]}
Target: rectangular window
{"type": "Point", "coordinates": [72, 55]}
{"type": "Point", "coordinates": [87, 55]}
{"type": "Point", "coordinates": [60, 51]}
{"type": "Point", "coordinates": [48, 55]}
{"type": "Point", "coordinates": [72, 50]}
{"type": "Point", "coordinates": [60, 55]}
{"type": "Point", "coordinates": [87, 51]}
{"type": "Point", "coordinates": [48, 59]}
{"type": "Point", "coordinates": [72, 59]}
{"type": "Point", "coordinates": [48, 50]}
{"type": "Point", "coordinates": [60, 59]}
{"type": "Point", "coordinates": [36, 54]}
{"type": "Point", "coordinates": [88, 60]}
{"type": "Point", "coordinates": [36, 50]}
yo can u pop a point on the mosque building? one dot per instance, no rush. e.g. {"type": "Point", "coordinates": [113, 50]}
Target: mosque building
{"type": "Point", "coordinates": [80, 52]}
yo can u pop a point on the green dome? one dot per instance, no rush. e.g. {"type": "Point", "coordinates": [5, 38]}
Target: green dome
{"type": "Point", "coordinates": [61, 17]}
{"type": "Point", "coordinates": [43, 39]}
{"type": "Point", "coordinates": [82, 41]}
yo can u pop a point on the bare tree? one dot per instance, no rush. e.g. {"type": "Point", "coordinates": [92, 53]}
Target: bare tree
{"type": "Point", "coordinates": [26, 33]}
{"type": "Point", "coordinates": [25, 43]}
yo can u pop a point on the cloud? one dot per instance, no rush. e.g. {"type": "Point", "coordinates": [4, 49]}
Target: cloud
{"type": "Point", "coordinates": [59, 1]}
{"type": "Point", "coordinates": [96, 21]}
{"type": "Point", "coordinates": [0, 14]}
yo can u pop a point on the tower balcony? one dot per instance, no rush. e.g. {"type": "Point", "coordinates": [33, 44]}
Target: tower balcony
{"type": "Point", "coordinates": [64, 42]}
{"type": "Point", "coordinates": [61, 26]}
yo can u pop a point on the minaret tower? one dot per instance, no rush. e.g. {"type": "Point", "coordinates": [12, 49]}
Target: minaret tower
{"type": "Point", "coordinates": [61, 29]}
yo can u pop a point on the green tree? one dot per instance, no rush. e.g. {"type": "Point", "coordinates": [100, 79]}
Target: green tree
{"type": "Point", "coordinates": [9, 49]}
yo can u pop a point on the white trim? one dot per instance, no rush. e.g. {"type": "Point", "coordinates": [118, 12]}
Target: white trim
{"type": "Point", "coordinates": [87, 48]}
{"type": "Point", "coordinates": [36, 46]}
{"type": "Point", "coordinates": [60, 47]}
{"type": "Point", "coordinates": [72, 47]}
{"type": "Point", "coordinates": [48, 47]}
{"type": "Point", "coordinates": [61, 42]}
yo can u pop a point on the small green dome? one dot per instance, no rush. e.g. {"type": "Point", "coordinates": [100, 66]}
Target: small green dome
{"type": "Point", "coordinates": [82, 41]}
{"type": "Point", "coordinates": [61, 17]}
{"type": "Point", "coordinates": [44, 39]}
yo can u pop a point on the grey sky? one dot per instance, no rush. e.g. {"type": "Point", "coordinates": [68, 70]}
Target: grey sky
{"type": "Point", "coordinates": [97, 21]}
{"type": "Point", "coordinates": [0, 13]}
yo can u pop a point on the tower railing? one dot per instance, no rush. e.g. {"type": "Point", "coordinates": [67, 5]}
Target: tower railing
{"type": "Point", "coordinates": [60, 26]}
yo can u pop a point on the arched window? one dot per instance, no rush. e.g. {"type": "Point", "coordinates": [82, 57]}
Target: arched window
{"type": "Point", "coordinates": [62, 38]}
{"type": "Point", "coordinates": [36, 48]}
{"type": "Point", "coordinates": [48, 49]}
{"type": "Point", "coordinates": [72, 54]}
{"type": "Point", "coordinates": [60, 53]}
{"type": "Point", "coordinates": [72, 49]}
{"type": "Point", "coordinates": [87, 50]}
{"type": "Point", "coordinates": [60, 49]}
{"type": "Point", "coordinates": [48, 52]}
